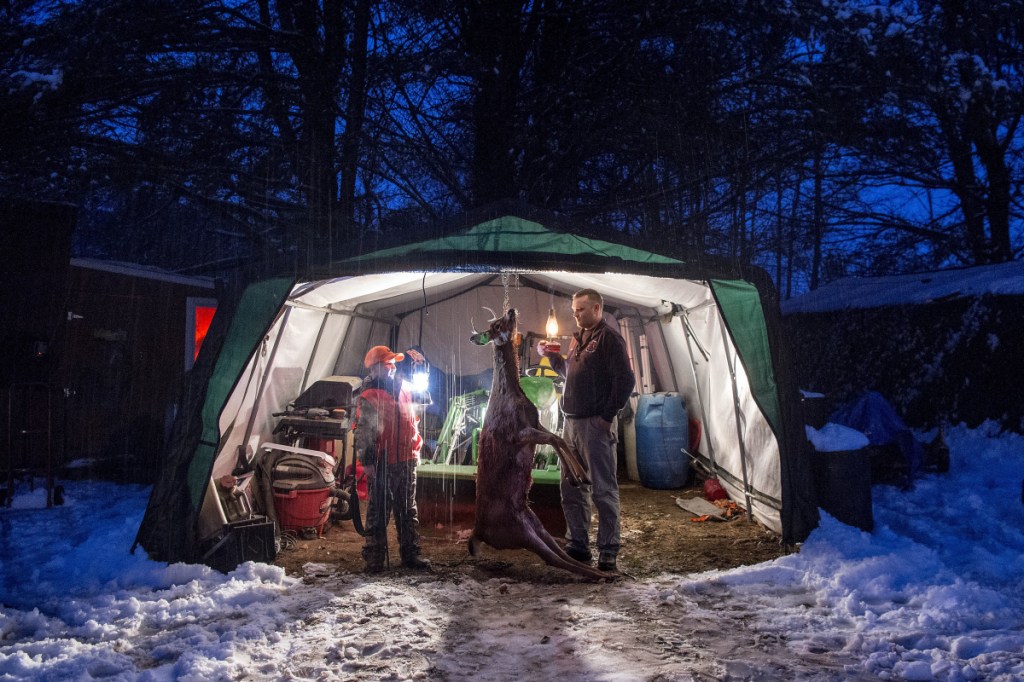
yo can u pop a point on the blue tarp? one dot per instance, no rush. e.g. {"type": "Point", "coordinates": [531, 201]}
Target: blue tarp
{"type": "Point", "coordinates": [872, 415]}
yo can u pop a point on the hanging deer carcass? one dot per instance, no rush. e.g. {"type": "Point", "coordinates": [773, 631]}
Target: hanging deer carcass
{"type": "Point", "coordinates": [510, 431]}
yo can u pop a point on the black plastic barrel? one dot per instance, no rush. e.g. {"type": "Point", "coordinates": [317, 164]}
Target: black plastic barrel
{"type": "Point", "coordinates": [661, 435]}
{"type": "Point", "coordinates": [843, 482]}
{"type": "Point", "coordinates": [815, 409]}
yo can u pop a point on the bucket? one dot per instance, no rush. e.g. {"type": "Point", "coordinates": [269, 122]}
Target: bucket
{"type": "Point", "coordinates": [843, 483]}
{"type": "Point", "coordinates": [246, 540]}
{"type": "Point", "coordinates": [299, 509]}
{"type": "Point", "coordinates": [661, 435]}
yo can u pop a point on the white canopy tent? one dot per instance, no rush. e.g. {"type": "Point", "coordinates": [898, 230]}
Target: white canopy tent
{"type": "Point", "coordinates": [429, 294]}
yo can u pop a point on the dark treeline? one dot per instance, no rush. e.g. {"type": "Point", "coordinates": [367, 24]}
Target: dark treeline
{"type": "Point", "coordinates": [815, 139]}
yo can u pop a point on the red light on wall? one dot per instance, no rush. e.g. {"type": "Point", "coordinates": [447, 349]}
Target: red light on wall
{"type": "Point", "coordinates": [204, 316]}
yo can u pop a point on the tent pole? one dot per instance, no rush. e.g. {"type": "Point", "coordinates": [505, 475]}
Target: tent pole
{"type": "Point", "coordinates": [739, 426]}
{"type": "Point", "coordinates": [312, 355]}
{"type": "Point", "coordinates": [689, 328]}
{"type": "Point", "coordinates": [645, 362]}
{"type": "Point", "coordinates": [263, 384]}
{"type": "Point", "coordinates": [348, 313]}
{"type": "Point", "coordinates": [628, 338]}
{"type": "Point", "coordinates": [691, 335]}
{"type": "Point", "coordinates": [668, 356]}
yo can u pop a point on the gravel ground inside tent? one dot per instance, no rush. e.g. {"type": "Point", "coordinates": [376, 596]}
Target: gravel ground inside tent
{"type": "Point", "coordinates": [657, 537]}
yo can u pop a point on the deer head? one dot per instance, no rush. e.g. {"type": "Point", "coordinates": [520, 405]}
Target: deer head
{"type": "Point", "coordinates": [501, 330]}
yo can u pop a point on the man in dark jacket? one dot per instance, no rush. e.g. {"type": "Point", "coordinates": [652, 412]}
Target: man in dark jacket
{"type": "Point", "coordinates": [387, 441]}
{"type": "Point", "coordinates": [598, 382]}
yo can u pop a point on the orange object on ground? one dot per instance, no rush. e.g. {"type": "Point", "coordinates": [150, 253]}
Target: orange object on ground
{"type": "Point", "coordinates": [731, 510]}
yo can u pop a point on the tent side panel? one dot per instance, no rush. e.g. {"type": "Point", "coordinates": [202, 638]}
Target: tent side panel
{"type": "Point", "coordinates": [167, 531]}
{"type": "Point", "coordinates": [800, 503]}
{"type": "Point", "coordinates": [740, 305]}
{"type": "Point", "coordinates": [757, 332]}
{"type": "Point", "coordinates": [259, 306]}
{"type": "Point", "coordinates": [273, 378]}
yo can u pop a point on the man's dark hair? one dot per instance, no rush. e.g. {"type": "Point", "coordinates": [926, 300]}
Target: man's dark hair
{"type": "Point", "coordinates": [592, 294]}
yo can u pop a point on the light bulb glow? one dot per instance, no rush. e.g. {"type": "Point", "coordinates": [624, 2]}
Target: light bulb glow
{"type": "Point", "coordinates": [551, 328]}
{"type": "Point", "coordinates": [420, 381]}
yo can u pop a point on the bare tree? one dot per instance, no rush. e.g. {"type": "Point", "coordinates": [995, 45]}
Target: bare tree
{"type": "Point", "coordinates": [938, 97]}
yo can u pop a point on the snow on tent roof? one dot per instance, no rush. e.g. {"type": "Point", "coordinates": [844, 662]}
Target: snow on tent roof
{"type": "Point", "coordinates": [1003, 279]}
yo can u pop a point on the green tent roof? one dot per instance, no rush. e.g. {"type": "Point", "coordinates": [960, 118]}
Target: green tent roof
{"type": "Point", "coordinates": [510, 234]}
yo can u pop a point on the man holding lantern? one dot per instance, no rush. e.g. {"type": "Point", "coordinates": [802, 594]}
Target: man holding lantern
{"type": "Point", "coordinates": [598, 382]}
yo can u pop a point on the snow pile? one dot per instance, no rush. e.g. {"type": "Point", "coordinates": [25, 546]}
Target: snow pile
{"type": "Point", "coordinates": [935, 592]}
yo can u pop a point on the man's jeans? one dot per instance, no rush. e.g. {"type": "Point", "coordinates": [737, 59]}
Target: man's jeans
{"type": "Point", "coordinates": [596, 441]}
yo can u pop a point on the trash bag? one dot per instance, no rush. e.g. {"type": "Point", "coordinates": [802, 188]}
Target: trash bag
{"type": "Point", "coordinates": [872, 415]}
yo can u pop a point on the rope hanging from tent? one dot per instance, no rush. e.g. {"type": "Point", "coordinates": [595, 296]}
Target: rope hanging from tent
{"type": "Point", "coordinates": [506, 279]}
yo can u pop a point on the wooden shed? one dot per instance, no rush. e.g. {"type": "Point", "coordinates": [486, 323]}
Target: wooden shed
{"type": "Point", "coordinates": [131, 335]}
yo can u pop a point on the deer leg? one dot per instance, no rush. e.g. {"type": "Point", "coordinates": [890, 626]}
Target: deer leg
{"type": "Point", "coordinates": [575, 466]}
{"type": "Point", "coordinates": [540, 542]}
{"type": "Point", "coordinates": [545, 536]}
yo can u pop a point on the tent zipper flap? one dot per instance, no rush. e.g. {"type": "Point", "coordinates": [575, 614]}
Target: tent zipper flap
{"type": "Point", "coordinates": [264, 298]}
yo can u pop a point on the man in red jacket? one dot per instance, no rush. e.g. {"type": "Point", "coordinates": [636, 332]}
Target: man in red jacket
{"type": "Point", "coordinates": [388, 442]}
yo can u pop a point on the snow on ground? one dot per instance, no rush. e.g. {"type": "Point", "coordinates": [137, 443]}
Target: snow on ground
{"type": "Point", "coordinates": [935, 592]}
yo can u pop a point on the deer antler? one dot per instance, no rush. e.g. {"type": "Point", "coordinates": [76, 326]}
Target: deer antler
{"type": "Point", "coordinates": [493, 315]}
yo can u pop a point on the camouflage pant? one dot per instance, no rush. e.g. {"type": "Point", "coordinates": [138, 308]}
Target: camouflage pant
{"type": "Point", "coordinates": [392, 489]}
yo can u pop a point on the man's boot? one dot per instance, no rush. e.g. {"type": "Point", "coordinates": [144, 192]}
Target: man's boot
{"type": "Point", "coordinates": [373, 555]}
{"type": "Point", "coordinates": [416, 563]}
